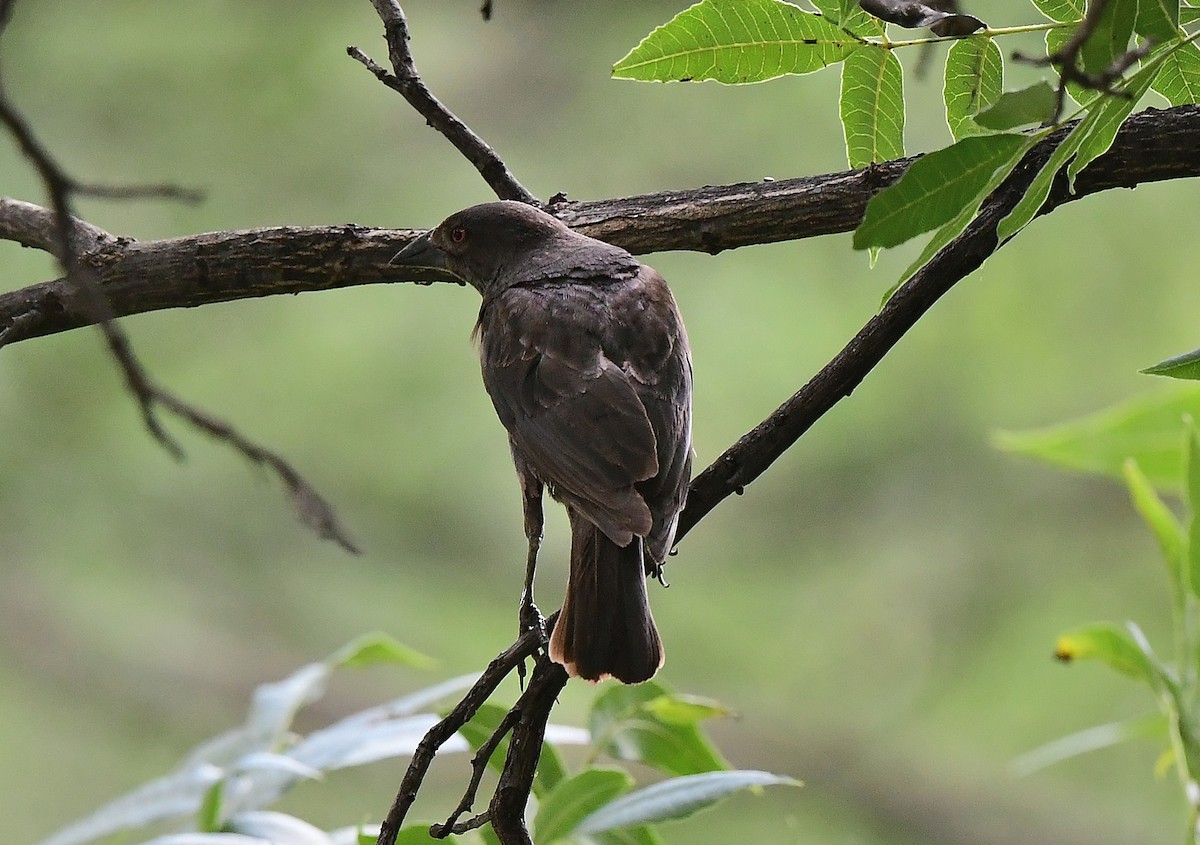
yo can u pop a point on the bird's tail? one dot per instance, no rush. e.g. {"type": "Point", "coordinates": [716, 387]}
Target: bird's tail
{"type": "Point", "coordinates": [605, 628]}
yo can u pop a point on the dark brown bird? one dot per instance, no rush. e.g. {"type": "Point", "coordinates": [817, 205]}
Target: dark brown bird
{"type": "Point", "coordinates": [587, 363]}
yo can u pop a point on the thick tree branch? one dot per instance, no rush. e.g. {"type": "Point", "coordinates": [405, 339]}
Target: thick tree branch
{"type": "Point", "coordinates": [139, 276]}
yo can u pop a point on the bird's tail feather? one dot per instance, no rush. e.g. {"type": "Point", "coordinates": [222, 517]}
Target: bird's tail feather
{"type": "Point", "coordinates": [605, 628]}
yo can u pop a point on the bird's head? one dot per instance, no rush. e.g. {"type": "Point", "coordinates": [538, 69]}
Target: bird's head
{"type": "Point", "coordinates": [496, 245]}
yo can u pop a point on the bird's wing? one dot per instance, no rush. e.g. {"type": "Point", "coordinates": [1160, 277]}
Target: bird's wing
{"type": "Point", "coordinates": [572, 412]}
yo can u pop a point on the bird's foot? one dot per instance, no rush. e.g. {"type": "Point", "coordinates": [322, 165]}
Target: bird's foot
{"type": "Point", "coordinates": [531, 619]}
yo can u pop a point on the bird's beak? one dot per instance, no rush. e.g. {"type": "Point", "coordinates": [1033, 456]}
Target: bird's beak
{"type": "Point", "coordinates": [421, 253]}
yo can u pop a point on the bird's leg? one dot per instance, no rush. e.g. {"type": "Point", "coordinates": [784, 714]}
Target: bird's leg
{"type": "Point", "coordinates": [531, 502]}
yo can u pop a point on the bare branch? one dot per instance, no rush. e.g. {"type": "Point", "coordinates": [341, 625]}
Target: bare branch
{"type": "Point", "coordinates": [407, 82]}
{"type": "Point", "coordinates": [60, 233]}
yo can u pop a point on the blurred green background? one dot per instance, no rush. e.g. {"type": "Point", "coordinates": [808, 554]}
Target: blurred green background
{"type": "Point", "coordinates": [879, 609]}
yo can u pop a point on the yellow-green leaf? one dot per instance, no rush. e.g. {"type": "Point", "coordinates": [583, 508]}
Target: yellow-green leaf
{"type": "Point", "coordinates": [737, 41]}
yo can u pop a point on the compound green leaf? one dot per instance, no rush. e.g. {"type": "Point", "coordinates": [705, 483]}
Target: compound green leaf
{"type": "Point", "coordinates": [1011, 109]}
{"type": "Point", "coordinates": [872, 106]}
{"type": "Point", "coordinates": [1179, 77]}
{"type": "Point", "coordinates": [736, 42]}
{"type": "Point", "coordinates": [974, 80]}
{"type": "Point", "coordinates": [1157, 19]}
{"type": "Point", "coordinates": [1063, 11]}
{"type": "Point", "coordinates": [937, 188]}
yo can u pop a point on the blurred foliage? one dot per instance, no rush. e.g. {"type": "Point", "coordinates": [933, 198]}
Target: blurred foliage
{"type": "Point", "coordinates": [877, 608]}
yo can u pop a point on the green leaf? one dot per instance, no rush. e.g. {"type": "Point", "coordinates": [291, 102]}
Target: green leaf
{"type": "Point", "coordinates": [1105, 118]}
{"type": "Point", "coordinates": [575, 799]}
{"type": "Point", "coordinates": [680, 709]}
{"type": "Point", "coordinates": [1011, 109]}
{"type": "Point", "coordinates": [1063, 11]}
{"type": "Point", "coordinates": [1157, 19]}
{"type": "Point", "coordinates": [1189, 14]}
{"type": "Point", "coordinates": [625, 726]}
{"type": "Point", "coordinates": [1179, 77]}
{"type": "Point", "coordinates": [1185, 366]}
{"type": "Point", "coordinates": [378, 647]}
{"type": "Point", "coordinates": [735, 42]}
{"type": "Point", "coordinates": [1162, 522]}
{"type": "Point", "coordinates": [1123, 649]}
{"type": "Point", "coordinates": [1152, 726]}
{"type": "Point", "coordinates": [872, 106]}
{"type": "Point", "coordinates": [974, 80]}
{"type": "Point", "coordinates": [636, 835]}
{"type": "Point", "coordinates": [847, 15]}
{"type": "Point", "coordinates": [208, 818]}
{"type": "Point", "coordinates": [1192, 482]}
{"type": "Point", "coordinates": [417, 834]}
{"type": "Point", "coordinates": [1110, 38]}
{"type": "Point", "coordinates": [1039, 188]}
{"type": "Point", "coordinates": [1145, 428]}
{"type": "Point", "coordinates": [677, 798]}
{"type": "Point", "coordinates": [936, 188]}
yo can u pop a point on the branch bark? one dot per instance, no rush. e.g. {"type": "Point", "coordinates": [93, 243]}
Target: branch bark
{"type": "Point", "coordinates": [141, 276]}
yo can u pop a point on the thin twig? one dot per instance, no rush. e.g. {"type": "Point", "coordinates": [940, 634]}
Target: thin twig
{"type": "Point", "coordinates": [1070, 69]}
{"type": "Point", "coordinates": [313, 509]}
{"type": "Point", "coordinates": [437, 736]}
{"type": "Point", "coordinates": [479, 764]}
{"type": "Point", "coordinates": [407, 82]}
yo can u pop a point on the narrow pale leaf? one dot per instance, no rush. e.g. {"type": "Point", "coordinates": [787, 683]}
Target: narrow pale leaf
{"type": "Point", "coordinates": [872, 106]}
{"type": "Point", "coordinates": [936, 188]}
{"type": "Point", "coordinates": [1179, 77]}
{"type": "Point", "coordinates": [1063, 11]}
{"type": "Point", "coordinates": [1011, 109]}
{"type": "Point", "coordinates": [735, 42]}
{"type": "Point", "coordinates": [677, 798]}
{"type": "Point", "coordinates": [974, 81]}
{"type": "Point", "coordinates": [278, 827]}
{"type": "Point", "coordinates": [575, 799]}
{"type": "Point", "coordinates": [1146, 428]}
{"type": "Point", "coordinates": [1153, 726]}
{"type": "Point", "coordinates": [1192, 487]}
{"type": "Point", "coordinates": [1162, 522]}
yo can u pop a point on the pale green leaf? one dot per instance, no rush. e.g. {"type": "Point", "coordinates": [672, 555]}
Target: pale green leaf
{"type": "Point", "coordinates": [1192, 487]}
{"type": "Point", "coordinates": [936, 189]}
{"type": "Point", "coordinates": [1179, 77]}
{"type": "Point", "coordinates": [872, 106]}
{"type": "Point", "coordinates": [573, 800]}
{"type": "Point", "coordinates": [625, 725]}
{"type": "Point", "coordinates": [737, 41]}
{"type": "Point", "coordinates": [378, 647]}
{"type": "Point", "coordinates": [1039, 188]}
{"type": "Point", "coordinates": [1153, 726]}
{"type": "Point", "coordinates": [1011, 109]}
{"type": "Point", "coordinates": [679, 709]}
{"type": "Point", "coordinates": [974, 80]}
{"type": "Point", "coordinates": [1123, 649]}
{"type": "Point", "coordinates": [1063, 11]}
{"type": "Point", "coordinates": [1146, 428]}
{"type": "Point", "coordinates": [1162, 522]}
{"type": "Point", "coordinates": [270, 826]}
{"type": "Point", "coordinates": [677, 798]}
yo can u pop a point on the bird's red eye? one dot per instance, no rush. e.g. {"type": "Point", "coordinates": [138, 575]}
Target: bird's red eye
{"type": "Point", "coordinates": [458, 234]}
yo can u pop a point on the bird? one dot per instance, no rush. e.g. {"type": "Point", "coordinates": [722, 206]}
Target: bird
{"type": "Point", "coordinates": [585, 357]}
